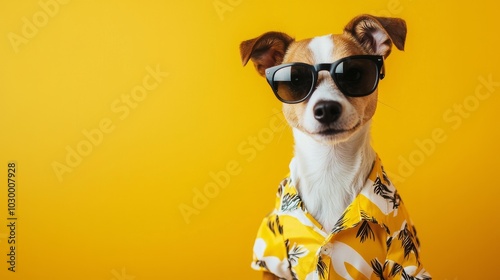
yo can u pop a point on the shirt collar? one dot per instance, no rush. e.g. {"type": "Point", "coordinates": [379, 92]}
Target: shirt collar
{"type": "Point", "coordinates": [377, 200]}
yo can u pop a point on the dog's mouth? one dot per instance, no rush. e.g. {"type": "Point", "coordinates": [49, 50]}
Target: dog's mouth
{"type": "Point", "coordinates": [329, 132]}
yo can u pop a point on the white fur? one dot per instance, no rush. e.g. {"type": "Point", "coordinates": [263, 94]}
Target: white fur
{"type": "Point", "coordinates": [322, 48]}
{"type": "Point", "coordinates": [330, 176]}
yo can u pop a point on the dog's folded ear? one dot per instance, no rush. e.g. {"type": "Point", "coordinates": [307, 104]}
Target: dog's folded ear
{"type": "Point", "coordinates": [377, 34]}
{"type": "Point", "coordinates": [266, 50]}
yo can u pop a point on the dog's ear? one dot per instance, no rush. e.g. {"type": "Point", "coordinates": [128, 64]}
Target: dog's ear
{"type": "Point", "coordinates": [266, 50]}
{"type": "Point", "coordinates": [377, 34]}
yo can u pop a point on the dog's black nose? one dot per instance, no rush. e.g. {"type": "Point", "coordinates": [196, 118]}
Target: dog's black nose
{"type": "Point", "coordinates": [327, 111]}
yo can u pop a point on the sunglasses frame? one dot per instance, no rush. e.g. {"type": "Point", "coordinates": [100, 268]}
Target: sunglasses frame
{"type": "Point", "coordinates": [330, 67]}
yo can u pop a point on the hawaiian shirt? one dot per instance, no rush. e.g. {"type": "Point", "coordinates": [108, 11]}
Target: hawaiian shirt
{"type": "Point", "coordinates": [373, 239]}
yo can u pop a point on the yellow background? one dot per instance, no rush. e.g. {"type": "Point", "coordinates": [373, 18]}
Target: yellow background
{"type": "Point", "coordinates": [117, 215]}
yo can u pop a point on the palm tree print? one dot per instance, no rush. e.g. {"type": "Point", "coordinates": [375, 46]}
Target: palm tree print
{"type": "Point", "coordinates": [384, 175]}
{"type": "Point", "coordinates": [294, 253]}
{"type": "Point", "coordinates": [284, 182]}
{"type": "Point", "coordinates": [290, 202]}
{"type": "Point", "coordinates": [416, 236]}
{"type": "Point", "coordinates": [282, 185]}
{"type": "Point", "coordinates": [378, 269]}
{"type": "Point", "coordinates": [408, 277]}
{"type": "Point", "coordinates": [389, 243]}
{"type": "Point", "coordinates": [397, 268]}
{"type": "Point", "coordinates": [293, 256]}
{"type": "Point", "coordinates": [395, 200]}
{"type": "Point", "coordinates": [275, 225]}
{"type": "Point", "coordinates": [366, 217]}
{"type": "Point", "coordinates": [386, 228]}
{"type": "Point", "coordinates": [261, 264]}
{"type": "Point", "coordinates": [321, 268]}
{"type": "Point", "coordinates": [406, 237]}
{"type": "Point", "coordinates": [365, 232]}
{"type": "Point", "coordinates": [394, 248]}
{"type": "Point", "coordinates": [339, 226]}
{"type": "Point", "coordinates": [381, 189]}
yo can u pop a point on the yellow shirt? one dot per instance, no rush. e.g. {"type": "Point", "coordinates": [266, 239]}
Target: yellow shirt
{"type": "Point", "coordinates": [373, 239]}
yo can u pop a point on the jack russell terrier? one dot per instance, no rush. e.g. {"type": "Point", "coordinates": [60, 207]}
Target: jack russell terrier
{"type": "Point", "coordinates": [337, 214]}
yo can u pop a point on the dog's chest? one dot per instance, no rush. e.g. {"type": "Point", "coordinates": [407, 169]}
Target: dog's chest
{"type": "Point", "coordinates": [325, 203]}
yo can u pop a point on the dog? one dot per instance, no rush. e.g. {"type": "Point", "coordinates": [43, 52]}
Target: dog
{"type": "Point", "coordinates": [337, 214]}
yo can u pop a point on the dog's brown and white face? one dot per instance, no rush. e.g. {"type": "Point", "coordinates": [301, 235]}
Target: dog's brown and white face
{"type": "Point", "coordinates": [328, 115]}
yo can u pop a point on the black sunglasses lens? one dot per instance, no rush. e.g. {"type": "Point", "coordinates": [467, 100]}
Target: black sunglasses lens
{"type": "Point", "coordinates": [356, 77]}
{"type": "Point", "coordinates": [293, 83]}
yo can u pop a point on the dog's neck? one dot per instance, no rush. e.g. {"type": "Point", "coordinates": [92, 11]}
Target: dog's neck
{"type": "Point", "coordinates": [329, 177]}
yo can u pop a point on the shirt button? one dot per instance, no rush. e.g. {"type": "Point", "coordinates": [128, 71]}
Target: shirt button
{"type": "Point", "coordinates": [327, 249]}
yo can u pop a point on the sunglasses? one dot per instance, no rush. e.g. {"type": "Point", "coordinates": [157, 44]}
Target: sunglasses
{"type": "Point", "coordinates": [355, 76]}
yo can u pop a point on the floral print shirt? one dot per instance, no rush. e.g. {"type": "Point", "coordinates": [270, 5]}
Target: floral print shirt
{"type": "Point", "coordinates": [373, 239]}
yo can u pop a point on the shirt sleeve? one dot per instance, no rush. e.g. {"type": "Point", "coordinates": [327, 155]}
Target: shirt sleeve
{"type": "Point", "coordinates": [269, 251]}
{"type": "Point", "coordinates": [403, 258]}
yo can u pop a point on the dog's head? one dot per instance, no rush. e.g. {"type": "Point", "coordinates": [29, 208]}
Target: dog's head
{"type": "Point", "coordinates": [328, 84]}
